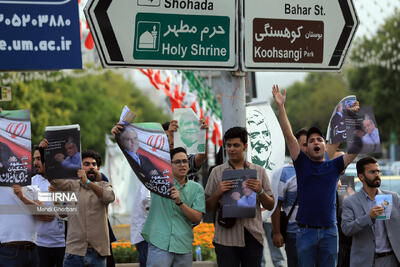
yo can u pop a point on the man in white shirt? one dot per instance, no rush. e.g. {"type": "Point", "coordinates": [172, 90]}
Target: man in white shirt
{"type": "Point", "coordinates": [18, 229]}
{"type": "Point", "coordinates": [51, 232]}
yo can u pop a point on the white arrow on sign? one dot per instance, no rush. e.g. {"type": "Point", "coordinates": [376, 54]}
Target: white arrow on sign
{"type": "Point", "coordinates": [303, 35]}
{"type": "Point", "coordinates": [179, 34]}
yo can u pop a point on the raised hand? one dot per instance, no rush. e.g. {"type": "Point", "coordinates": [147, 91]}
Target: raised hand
{"type": "Point", "coordinates": [44, 143]}
{"type": "Point", "coordinates": [117, 129]}
{"type": "Point", "coordinates": [280, 98]}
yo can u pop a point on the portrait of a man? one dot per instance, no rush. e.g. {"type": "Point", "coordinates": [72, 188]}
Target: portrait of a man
{"type": "Point", "coordinates": [189, 134]}
{"type": "Point", "coordinates": [249, 197]}
{"type": "Point", "coordinates": [371, 136]}
{"type": "Point", "coordinates": [73, 159]}
{"type": "Point", "coordinates": [260, 139]}
{"type": "Point", "coordinates": [189, 130]}
{"type": "Point", "coordinates": [130, 142]}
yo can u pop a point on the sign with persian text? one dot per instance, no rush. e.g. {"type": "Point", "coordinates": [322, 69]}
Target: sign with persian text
{"type": "Point", "coordinates": [15, 147]}
{"type": "Point", "coordinates": [297, 35]}
{"type": "Point", "coordinates": [184, 34]}
{"type": "Point", "coordinates": [39, 35]}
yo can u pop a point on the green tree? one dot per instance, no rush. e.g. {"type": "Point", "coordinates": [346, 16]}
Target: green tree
{"type": "Point", "coordinates": [376, 81]}
{"type": "Point", "coordinates": [94, 101]}
{"type": "Point", "coordinates": [311, 102]}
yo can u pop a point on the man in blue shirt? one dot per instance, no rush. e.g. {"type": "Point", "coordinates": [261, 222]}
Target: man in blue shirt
{"type": "Point", "coordinates": [317, 236]}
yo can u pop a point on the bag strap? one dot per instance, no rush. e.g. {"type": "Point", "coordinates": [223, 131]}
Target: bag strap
{"type": "Point", "coordinates": [292, 209]}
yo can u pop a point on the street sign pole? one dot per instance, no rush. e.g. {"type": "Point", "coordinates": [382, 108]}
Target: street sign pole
{"type": "Point", "coordinates": [233, 99]}
{"type": "Point", "coordinates": [233, 95]}
{"type": "Point", "coordinates": [297, 35]}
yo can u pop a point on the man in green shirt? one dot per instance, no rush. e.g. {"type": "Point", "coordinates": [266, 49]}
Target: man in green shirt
{"type": "Point", "coordinates": [168, 228]}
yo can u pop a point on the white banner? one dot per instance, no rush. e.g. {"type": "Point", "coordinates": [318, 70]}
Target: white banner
{"type": "Point", "coordinates": [266, 142]}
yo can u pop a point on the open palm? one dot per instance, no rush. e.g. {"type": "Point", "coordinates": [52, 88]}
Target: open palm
{"type": "Point", "coordinates": [279, 97]}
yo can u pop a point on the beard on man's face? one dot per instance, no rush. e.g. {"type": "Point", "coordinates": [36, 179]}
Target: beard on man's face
{"type": "Point", "coordinates": [38, 169]}
{"type": "Point", "coordinates": [91, 175]}
{"type": "Point", "coordinates": [373, 183]}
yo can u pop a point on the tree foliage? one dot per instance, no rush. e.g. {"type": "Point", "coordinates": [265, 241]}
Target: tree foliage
{"type": "Point", "coordinates": [311, 102]}
{"type": "Point", "coordinates": [94, 101]}
{"type": "Point", "coordinates": [377, 84]}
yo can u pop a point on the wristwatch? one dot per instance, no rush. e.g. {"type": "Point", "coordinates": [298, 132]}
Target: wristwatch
{"type": "Point", "coordinates": [180, 203]}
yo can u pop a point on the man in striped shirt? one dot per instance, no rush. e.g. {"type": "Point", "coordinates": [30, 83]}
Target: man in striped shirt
{"type": "Point", "coordinates": [241, 244]}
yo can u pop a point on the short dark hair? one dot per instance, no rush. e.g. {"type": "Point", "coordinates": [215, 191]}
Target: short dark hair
{"type": "Point", "coordinates": [41, 151]}
{"type": "Point", "coordinates": [301, 132]}
{"type": "Point", "coordinates": [177, 150]}
{"type": "Point", "coordinates": [92, 154]}
{"type": "Point", "coordinates": [364, 161]}
{"type": "Point", "coordinates": [312, 130]}
{"type": "Point", "coordinates": [236, 132]}
{"type": "Point", "coordinates": [165, 125]}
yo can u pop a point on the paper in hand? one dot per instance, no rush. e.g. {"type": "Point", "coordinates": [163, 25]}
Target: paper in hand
{"type": "Point", "coordinates": [127, 115]}
{"type": "Point", "coordinates": [189, 134]}
{"type": "Point", "coordinates": [385, 201]}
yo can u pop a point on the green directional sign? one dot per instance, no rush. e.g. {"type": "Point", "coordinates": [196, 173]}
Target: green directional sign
{"type": "Point", "coordinates": [181, 37]}
{"type": "Point", "coordinates": [169, 34]}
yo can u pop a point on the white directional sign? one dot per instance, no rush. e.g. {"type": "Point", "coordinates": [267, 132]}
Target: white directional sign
{"type": "Point", "coordinates": [184, 34]}
{"type": "Point", "coordinates": [297, 34]}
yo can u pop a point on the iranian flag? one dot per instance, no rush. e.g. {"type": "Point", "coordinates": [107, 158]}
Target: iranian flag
{"type": "Point", "coordinates": [145, 146]}
{"type": "Point", "coordinates": [15, 147]}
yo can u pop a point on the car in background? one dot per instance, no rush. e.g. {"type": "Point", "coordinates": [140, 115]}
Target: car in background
{"type": "Point", "coordinates": [351, 170]}
{"type": "Point", "coordinates": [390, 183]}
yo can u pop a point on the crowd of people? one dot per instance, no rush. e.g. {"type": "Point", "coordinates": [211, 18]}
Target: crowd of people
{"type": "Point", "coordinates": [162, 228]}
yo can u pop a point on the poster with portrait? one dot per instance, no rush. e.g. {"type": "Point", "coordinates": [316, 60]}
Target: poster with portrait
{"type": "Point", "coordinates": [189, 134]}
{"type": "Point", "coordinates": [362, 132]}
{"type": "Point", "coordinates": [240, 201]}
{"type": "Point", "coordinates": [266, 145]}
{"type": "Point", "coordinates": [336, 132]}
{"type": "Point", "coordinates": [15, 148]}
{"type": "Point", "coordinates": [386, 202]}
{"type": "Point", "coordinates": [63, 154]}
{"type": "Point", "coordinates": [145, 146]}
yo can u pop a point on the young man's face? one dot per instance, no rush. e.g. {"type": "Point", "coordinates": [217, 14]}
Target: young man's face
{"type": "Point", "coordinates": [316, 147]}
{"type": "Point", "coordinates": [37, 163]}
{"type": "Point", "coordinates": [89, 165]}
{"type": "Point", "coordinates": [180, 165]}
{"type": "Point", "coordinates": [371, 175]}
{"type": "Point", "coordinates": [235, 149]}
